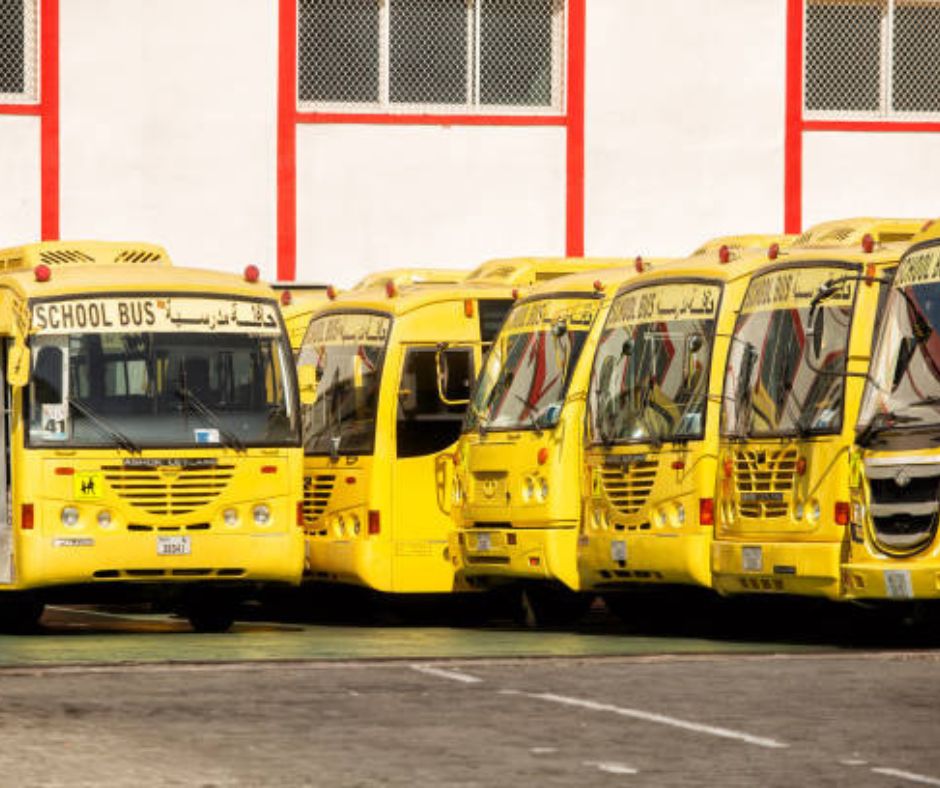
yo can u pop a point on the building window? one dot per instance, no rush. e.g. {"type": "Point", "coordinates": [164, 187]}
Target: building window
{"type": "Point", "coordinates": [872, 58]}
{"type": "Point", "coordinates": [442, 56]}
{"type": "Point", "coordinates": [18, 51]}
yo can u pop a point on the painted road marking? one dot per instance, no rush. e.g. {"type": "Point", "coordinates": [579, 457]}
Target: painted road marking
{"type": "Point", "coordinates": [441, 673]}
{"type": "Point", "coordinates": [543, 750]}
{"type": "Point", "coordinates": [661, 719]}
{"type": "Point", "coordinates": [853, 762]}
{"type": "Point", "coordinates": [612, 768]}
{"type": "Point", "coordinates": [909, 776]}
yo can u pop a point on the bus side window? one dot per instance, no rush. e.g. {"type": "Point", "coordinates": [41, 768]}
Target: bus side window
{"type": "Point", "coordinates": [47, 375]}
{"type": "Point", "coordinates": [425, 425]}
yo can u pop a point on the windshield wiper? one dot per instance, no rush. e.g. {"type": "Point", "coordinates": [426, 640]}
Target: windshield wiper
{"type": "Point", "coordinates": [104, 427]}
{"type": "Point", "coordinates": [200, 407]}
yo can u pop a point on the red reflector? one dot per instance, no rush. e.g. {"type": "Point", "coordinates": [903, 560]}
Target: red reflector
{"type": "Point", "coordinates": [534, 560]}
{"type": "Point", "coordinates": [801, 466]}
{"type": "Point", "coordinates": [286, 298]}
{"type": "Point", "coordinates": [64, 470]}
{"type": "Point", "coordinates": [543, 455]}
{"type": "Point", "coordinates": [268, 469]}
{"type": "Point", "coordinates": [468, 307]}
{"type": "Point", "coordinates": [42, 272]}
{"type": "Point", "coordinates": [252, 274]}
{"type": "Point", "coordinates": [842, 512]}
{"type": "Point", "coordinates": [678, 465]}
{"type": "Point", "coordinates": [26, 517]}
{"type": "Point", "coordinates": [868, 243]}
{"type": "Point", "coordinates": [375, 523]}
{"type": "Point", "coordinates": [300, 513]}
{"type": "Point", "coordinates": [350, 480]}
{"type": "Point", "coordinates": [728, 467]}
{"type": "Point", "coordinates": [706, 511]}
{"type": "Point", "coordinates": [510, 538]}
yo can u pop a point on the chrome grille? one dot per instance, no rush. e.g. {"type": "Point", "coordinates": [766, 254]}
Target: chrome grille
{"type": "Point", "coordinates": [627, 487]}
{"type": "Point", "coordinates": [905, 504]}
{"type": "Point", "coordinates": [159, 491]}
{"type": "Point", "coordinates": [765, 481]}
{"type": "Point", "coordinates": [317, 492]}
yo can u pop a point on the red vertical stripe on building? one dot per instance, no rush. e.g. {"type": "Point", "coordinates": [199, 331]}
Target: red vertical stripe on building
{"type": "Point", "coordinates": [793, 139]}
{"type": "Point", "coordinates": [287, 142]}
{"type": "Point", "coordinates": [49, 117]}
{"type": "Point", "coordinates": [574, 211]}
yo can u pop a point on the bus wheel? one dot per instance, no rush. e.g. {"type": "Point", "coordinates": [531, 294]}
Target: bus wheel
{"type": "Point", "coordinates": [551, 606]}
{"type": "Point", "coordinates": [20, 612]}
{"type": "Point", "coordinates": [210, 612]}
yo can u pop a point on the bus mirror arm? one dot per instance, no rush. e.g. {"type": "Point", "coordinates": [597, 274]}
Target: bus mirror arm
{"type": "Point", "coordinates": [18, 364]}
{"type": "Point", "coordinates": [442, 377]}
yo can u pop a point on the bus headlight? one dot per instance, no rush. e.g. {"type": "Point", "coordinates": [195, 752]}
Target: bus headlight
{"type": "Point", "coordinates": [680, 514]}
{"type": "Point", "coordinates": [814, 511]}
{"type": "Point", "coordinates": [354, 525]}
{"type": "Point", "coordinates": [261, 514]}
{"type": "Point", "coordinates": [542, 489]}
{"type": "Point", "coordinates": [528, 489]}
{"type": "Point", "coordinates": [104, 519]}
{"type": "Point", "coordinates": [69, 515]}
{"type": "Point", "coordinates": [230, 517]}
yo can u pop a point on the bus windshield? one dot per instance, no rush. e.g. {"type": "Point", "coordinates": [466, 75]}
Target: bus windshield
{"type": "Point", "coordinates": [159, 372]}
{"type": "Point", "coordinates": [347, 352]}
{"type": "Point", "coordinates": [787, 361]}
{"type": "Point", "coordinates": [527, 372]}
{"type": "Point", "coordinates": [651, 369]}
{"type": "Point", "coordinates": [904, 389]}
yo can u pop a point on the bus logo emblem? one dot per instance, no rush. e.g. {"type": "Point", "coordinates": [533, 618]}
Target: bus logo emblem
{"type": "Point", "coordinates": [902, 478]}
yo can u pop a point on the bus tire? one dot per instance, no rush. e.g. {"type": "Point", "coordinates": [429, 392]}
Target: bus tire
{"type": "Point", "coordinates": [20, 612]}
{"type": "Point", "coordinates": [208, 612]}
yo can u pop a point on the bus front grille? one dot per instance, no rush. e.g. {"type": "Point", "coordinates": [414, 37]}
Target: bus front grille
{"type": "Point", "coordinates": [627, 487]}
{"type": "Point", "coordinates": [317, 492]}
{"type": "Point", "coordinates": [905, 505]}
{"type": "Point", "coordinates": [764, 481]}
{"type": "Point", "coordinates": [156, 491]}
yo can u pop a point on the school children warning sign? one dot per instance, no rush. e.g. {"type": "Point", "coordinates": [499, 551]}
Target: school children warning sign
{"type": "Point", "coordinates": [155, 313]}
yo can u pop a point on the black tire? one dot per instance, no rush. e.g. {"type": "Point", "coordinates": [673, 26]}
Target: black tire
{"type": "Point", "coordinates": [20, 612]}
{"type": "Point", "coordinates": [210, 612]}
{"type": "Point", "coordinates": [551, 606]}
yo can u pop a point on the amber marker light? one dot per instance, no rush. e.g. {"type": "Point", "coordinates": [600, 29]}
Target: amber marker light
{"type": "Point", "coordinates": [542, 455]}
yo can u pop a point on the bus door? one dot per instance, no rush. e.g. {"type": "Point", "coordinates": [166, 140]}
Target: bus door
{"type": "Point", "coordinates": [18, 358]}
{"type": "Point", "coordinates": [432, 396]}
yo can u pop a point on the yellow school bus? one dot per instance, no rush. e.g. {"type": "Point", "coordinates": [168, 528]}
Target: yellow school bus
{"type": "Point", "coordinates": [519, 457]}
{"type": "Point", "coordinates": [392, 370]}
{"type": "Point", "coordinates": [152, 438]}
{"type": "Point", "coordinates": [895, 482]}
{"type": "Point", "coordinates": [298, 303]}
{"type": "Point", "coordinates": [799, 357]}
{"type": "Point", "coordinates": [652, 421]}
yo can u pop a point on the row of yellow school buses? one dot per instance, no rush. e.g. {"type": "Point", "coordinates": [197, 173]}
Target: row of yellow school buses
{"type": "Point", "coordinates": [760, 417]}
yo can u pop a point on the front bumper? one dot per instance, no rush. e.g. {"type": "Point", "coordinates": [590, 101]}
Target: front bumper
{"type": "Point", "coordinates": [806, 568]}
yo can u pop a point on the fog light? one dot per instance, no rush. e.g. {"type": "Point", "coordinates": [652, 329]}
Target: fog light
{"type": "Point", "coordinates": [542, 490]}
{"type": "Point", "coordinates": [680, 514]}
{"type": "Point", "coordinates": [354, 524]}
{"type": "Point", "coordinates": [528, 489]}
{"type": "Point", "coordinates": [261, 514]}
{"type": "Point", "coordinates": [798, 511]}
{"type": "Point", "coordinates": [69, 515]}
{"type": "Point", "coordinates": [230, 517]}
{"type": "Point", "coordinates": [104, 518]}
{"type": "Point", "coordinates": [814, 511]}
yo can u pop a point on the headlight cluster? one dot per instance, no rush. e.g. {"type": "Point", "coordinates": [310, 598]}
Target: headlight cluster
{"type": "Point", "coordinates": [534, 488]}
{"type": "Point", "coordinates": [70, 517]}
{"type": "Point", "coordinates": [347, 525]}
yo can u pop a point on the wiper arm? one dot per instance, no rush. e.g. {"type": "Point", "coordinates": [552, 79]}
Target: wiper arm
{"type": "Point", "coordinates": [533, 419]}
{"type": "Point", "coordinates": [189, 398]}
{"type": "Point", "coordinates": [104, 427]}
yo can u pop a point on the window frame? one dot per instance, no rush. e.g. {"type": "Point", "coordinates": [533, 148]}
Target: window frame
{"type": "Point", "coordinates": [30, 57]}
{"type": "Point", "coordinates": [556, 108]}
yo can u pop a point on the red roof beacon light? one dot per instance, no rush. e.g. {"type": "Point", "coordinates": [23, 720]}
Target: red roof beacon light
{"type": "Point", "coordinates": [42, 272]}
{"type": "Point", "coordinates": [868, 243]}
{"type": "Point", "coordinates": [390, 289]}
{"type": "Point", "coordinates": [331, 292]}
{"type": "Point", "coordinates": [252, 274]}
{"type": "Point", "coordinates": [724, 254]}
{"type": "Point", "coordinates": [286, 298]}
{"type": "Point", "coordinates": [598, 286]}
{"type": "Point", "coordinates": [773, 251]}
{"type": "Point", "coordinates": [639, 265]}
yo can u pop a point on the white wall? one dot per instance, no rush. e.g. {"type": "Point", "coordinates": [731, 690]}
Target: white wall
{"type": "Point", "coordinates": [374, 197]}
{"type": "Point", "coordinates": [864, 174]}
{"type": "Point", "coordinates": [685, 119]}
{"type": "Point", "coordinates": [20, 215]}
{"type": "Point", "coordinates": [169, 117]}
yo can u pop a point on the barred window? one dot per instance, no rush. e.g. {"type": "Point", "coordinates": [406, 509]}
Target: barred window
{"type": "Point", "coordinates": [445, 55]}
{"type": "Point", "coordinates": [17, 51]}
{"type": "Point", "coordinates": [872, 58]}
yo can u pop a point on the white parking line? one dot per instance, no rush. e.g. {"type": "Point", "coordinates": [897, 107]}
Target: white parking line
{"type": "Point", "coordinates": [661, 719]}
{"type": "Point", "coordinates": [909, 776]}
{"type": "Point", "coordinates": [441, 673]}
{"type": "Point", "coordinates": [612, 768]}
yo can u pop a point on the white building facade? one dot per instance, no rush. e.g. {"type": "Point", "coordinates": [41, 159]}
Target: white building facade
{"type": "Point", "coordinates": [322, 139]}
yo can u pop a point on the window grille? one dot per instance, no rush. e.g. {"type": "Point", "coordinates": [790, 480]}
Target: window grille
{"type": "Point", "coordinates": [871, 58]}
{"type": "Point", "coordinates": [443, 56]}
{"type": "Point", "coordinates": [18, 68]}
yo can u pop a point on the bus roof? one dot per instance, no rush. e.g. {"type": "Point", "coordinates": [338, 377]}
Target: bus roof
{"type": "Point", "coordinates": [61, 254]}
{"type": "Point", "coordinates": [929, 231]}
{"type": "Point", "coordinates": [612, 275]}
{"type": "Point", "coordinates": [849, 233]}
{"type": "Point", "coordinates": [525, 271]}
{"type": "Point", "coordinates": [410, 276]}
{"type": "Point", "coordinates": [746, 241]}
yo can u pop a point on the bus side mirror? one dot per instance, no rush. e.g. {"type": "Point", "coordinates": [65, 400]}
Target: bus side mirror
{"type": "Point", "coordinates": [18, 365]}
{"type": "Point", "coordinates": [307, 380]}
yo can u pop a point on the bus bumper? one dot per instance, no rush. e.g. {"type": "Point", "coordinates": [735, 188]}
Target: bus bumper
{"type": "Point", "coordinates": [892, 580]}
{"type": "Point", "coordinates": [517, 554]}
{"type": "Point", "coordinates": [805, 569]}
{"type": "Point", "coordinates": [613, 560]}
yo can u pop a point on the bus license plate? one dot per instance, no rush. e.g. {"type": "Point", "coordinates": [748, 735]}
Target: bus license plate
{"type": "Point", "coordinates": [618, 550]}
{"type": "Point", "coordinates": [752, 559]}
{"type": "Point", "coordinates": [484, 542]}
{"type": "Point", "coordinates": [898, 584]}
{"type": "Point", "coordinates": [173, 545]}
